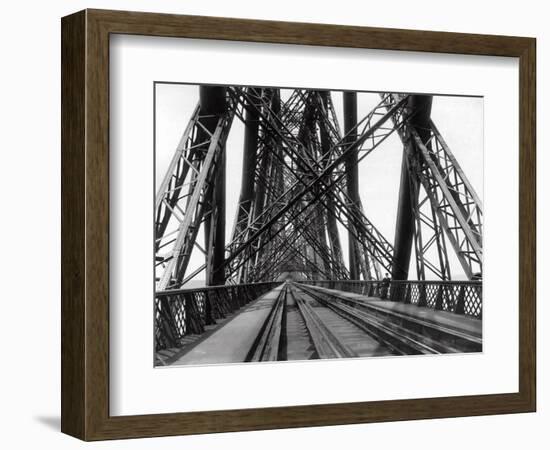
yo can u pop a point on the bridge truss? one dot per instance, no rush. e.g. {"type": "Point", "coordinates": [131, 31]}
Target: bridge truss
{"type": "Point", "coordinates": [300, 184]}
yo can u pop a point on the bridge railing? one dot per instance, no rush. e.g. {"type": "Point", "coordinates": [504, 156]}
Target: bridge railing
{"type": "Point", "coordinates": [459, 297]}
{"type": "Point", "coordinates": [182, 312]}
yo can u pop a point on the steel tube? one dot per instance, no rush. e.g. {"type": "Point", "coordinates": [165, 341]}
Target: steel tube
{"type": "Point", "coordinates": [420, 106]}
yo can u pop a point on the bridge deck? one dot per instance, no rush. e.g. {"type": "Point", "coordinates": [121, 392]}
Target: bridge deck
{"type": "Point", "coordinates": [443, 318]}
{"type": "Point", "coordinates": [298, 322]}
{"type": "Point", "coordinates": [232, 341]}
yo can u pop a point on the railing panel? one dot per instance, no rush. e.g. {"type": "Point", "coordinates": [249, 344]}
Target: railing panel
{"type": "Point", "coordinates": [183, 312]}
{"type": "Point", "coordinates": [459, 297]}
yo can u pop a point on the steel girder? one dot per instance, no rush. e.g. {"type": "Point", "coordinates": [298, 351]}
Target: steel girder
{"type": "Point", "coordinates": [371, 133]}
{"type": "Point", "coordinates": [302, 230]}
{"type": "Point", "coordinates": [296, 188]}
{"type": "Point", "coordinates": [185, 191]}
{"type": "Point", "coordinates": [445, 203]}
{"type": "Point", "coordinates": [360, 260]}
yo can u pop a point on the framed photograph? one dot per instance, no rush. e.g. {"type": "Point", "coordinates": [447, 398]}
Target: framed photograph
{"type": "Point", "coordinates": [273, 225]}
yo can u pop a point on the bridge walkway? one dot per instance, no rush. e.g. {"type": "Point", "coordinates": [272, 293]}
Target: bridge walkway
{"type": "Point", "coordinates": [231, 342]}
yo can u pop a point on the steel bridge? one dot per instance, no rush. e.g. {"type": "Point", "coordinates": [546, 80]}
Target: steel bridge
{"type": "Point", "coordinates": [281, 286]}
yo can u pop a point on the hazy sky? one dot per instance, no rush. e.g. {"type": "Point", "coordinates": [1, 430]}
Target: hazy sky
{"type": "Point", "coordinates": [459, 119]}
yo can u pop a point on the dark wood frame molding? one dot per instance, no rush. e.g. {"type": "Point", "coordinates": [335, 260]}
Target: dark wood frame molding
{"type": "Point", "coordinates": [85, 224]}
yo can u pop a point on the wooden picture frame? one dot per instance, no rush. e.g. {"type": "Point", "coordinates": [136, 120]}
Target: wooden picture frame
{"type": "Point", "coordinates": [85, 224]}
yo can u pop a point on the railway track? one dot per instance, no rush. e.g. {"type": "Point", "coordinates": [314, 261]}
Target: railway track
{"type": "Point", "coordinates": [404, 334]}
{"type": "Point", "coordinates": [301, 326]}
{"type": "Point", "coordinates": [308, 323]}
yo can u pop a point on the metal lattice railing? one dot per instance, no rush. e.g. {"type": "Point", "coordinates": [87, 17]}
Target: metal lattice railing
{"type": "Point", "coordinates": [182, 312]}
{"type": "Point", "coordinates": [459, 297]}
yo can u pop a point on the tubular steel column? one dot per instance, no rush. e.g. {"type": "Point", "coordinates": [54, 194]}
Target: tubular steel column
{"type": "Point", "coordinates": [213, 102]}
{"type": "Point", "coordinates": [260, 194]}
{"type": "Point", "coordinates": [421, 106]}
{"type": "Point", "coordinates": [352, 173]}
{"type": "Point", "coordinates": [252, 118]}
{"type": "Point", "coordinates": [332, 226]}
{"type": "Point", "coordinates": [250, 152]}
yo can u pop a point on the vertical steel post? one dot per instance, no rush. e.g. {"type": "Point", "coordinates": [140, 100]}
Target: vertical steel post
{"type": "Point", "coordinates": [260, 194]}
{"type": "Point", "coordinates": [213, 103]}
{"type": "Point", "coordinates": [250, 150]}
{"type": "Point", "coordinates": [420, 107]}
{"type": "Point", "coordinates": [352, 173]}
{"type": "Point", "coordinates": [332, 226]}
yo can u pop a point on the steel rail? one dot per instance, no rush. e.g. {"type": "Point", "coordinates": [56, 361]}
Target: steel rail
{"type": "Point", "coordinates": [400, 344]}
{"type": "Point", "coordinates": [326, 343]}
{"type": "Point", "coordinates": [434, 337]}
{"type": "Point", "coordinates": [267, 346]}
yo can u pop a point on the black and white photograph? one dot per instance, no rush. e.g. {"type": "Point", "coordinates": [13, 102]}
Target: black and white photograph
{"type": "Point", "coordinates": [270, 225]}
{"type": "Point", "coordinates": [297, 224]}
